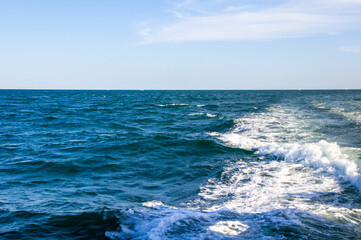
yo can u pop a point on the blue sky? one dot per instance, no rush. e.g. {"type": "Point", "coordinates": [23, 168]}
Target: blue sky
{"type": "Point", "coordinates": [186, 44]}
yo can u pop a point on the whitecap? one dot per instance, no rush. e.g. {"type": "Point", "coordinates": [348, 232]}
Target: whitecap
{"type": "Point", "coordinates": [171, 105]}
{"type": "Point", "coordinates": [211, 115]}
{"type": "Point", "coordinates": [195, 114]}
{"type": "Point", "coordinates": [232, 228]}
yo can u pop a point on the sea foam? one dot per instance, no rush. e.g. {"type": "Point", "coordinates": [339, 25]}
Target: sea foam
{"type": "Point", "coordinates": [322, 155]}
{"type": "Point", "coordinates": [282, 133]}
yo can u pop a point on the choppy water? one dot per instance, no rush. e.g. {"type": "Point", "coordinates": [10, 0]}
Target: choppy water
{"type": "Point", "coordinates": [180, 164]}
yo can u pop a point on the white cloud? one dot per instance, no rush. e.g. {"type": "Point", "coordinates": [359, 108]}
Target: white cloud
{"type": "Point", "coordinates": [233, 9]}
{"type": "Point", "coordinates": [287, 20]}
{"type": "Point", "coordinates": [350, 49]}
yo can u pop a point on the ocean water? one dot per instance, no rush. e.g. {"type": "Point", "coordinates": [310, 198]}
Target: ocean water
{"type": "Point", "coordinates": [180, 164]}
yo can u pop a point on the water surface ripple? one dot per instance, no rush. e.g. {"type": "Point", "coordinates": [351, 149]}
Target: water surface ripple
{"type": "Point", "coordinates": [180, 164]}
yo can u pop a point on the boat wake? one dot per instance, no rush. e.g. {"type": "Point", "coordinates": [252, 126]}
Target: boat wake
{"type": "Point", "coordinates": [292, 183]}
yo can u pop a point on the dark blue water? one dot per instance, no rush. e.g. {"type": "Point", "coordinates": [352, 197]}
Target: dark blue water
{"type": "Point", "coordinates": [180, 164]}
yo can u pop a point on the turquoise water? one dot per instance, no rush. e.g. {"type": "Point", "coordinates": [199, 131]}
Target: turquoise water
{"type": "Point", "coordinates": [180, 164]}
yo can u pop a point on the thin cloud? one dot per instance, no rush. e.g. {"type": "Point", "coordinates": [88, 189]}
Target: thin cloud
{"type": "Point", "coordinates": [234, 9]}
{"type": "Point", "coordinates": [288, 20]}
{"type": "Point", "coordinates": [350, 49]}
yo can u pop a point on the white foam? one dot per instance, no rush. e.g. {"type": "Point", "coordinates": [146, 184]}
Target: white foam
{"type": "Point", "coordinates": [284, 134]}
{"type": "Point", "coordinates": [291, 172]}
{"type": "Point", "coordinates": [154, 204]}
{"type": "Point", "coordinates": [296, 175]}
{"type": "Point", "coordinates": [232, 228]}
{"type": "Point", "coordinates": [321, 155]}
{"type": "Point", "coordinates": [267, 185]}
{"type": "Point", "coordinates": [211, 115]}
{"type": "Point", "coordinates": [157, 222]}
{"type": "Point", "coordinates": [214, 134]}
{"type": "Point", "coordinates": [171, 105]}
{"type": "Point", "coordinates": [195, 114]}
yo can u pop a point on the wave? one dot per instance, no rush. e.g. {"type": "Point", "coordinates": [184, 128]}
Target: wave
{"type": "Point", "coordinates": [171, 105]}
{"type": "Point", "coordinates": [82, 225]}
{"type": "Point", "coordinates": [322, 155]}
{"type": "Point", "coordinates": [157, 220]}
{"type": "Point", "coordinates": [289, 172]}
{"type": "Point", "coordinates": [287, 134]}
{"type": "Point", "coordinates": [349, 110]}
{"type": "Point", "coordinates": [293, 187]}
{"type": "Point", "coordinates": [196, 114]}
{"type": "Point", "coordinates": [354, 116]}
{"type": "Point", "coordinates": [210, 115]}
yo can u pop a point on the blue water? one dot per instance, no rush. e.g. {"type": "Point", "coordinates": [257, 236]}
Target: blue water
{"type": "Point", "coordinates": [180, 164]}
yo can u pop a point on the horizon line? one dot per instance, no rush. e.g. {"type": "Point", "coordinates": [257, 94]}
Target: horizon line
{"type": "Point", "coordinates": [181, 89]}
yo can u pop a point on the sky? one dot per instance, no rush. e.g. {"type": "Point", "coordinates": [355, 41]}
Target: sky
{"type": "Point", "coordinates": [180, 44]}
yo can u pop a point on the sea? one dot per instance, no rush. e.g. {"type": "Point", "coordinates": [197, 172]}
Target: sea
{"type": "Point", "coordinates": [82, 164]}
